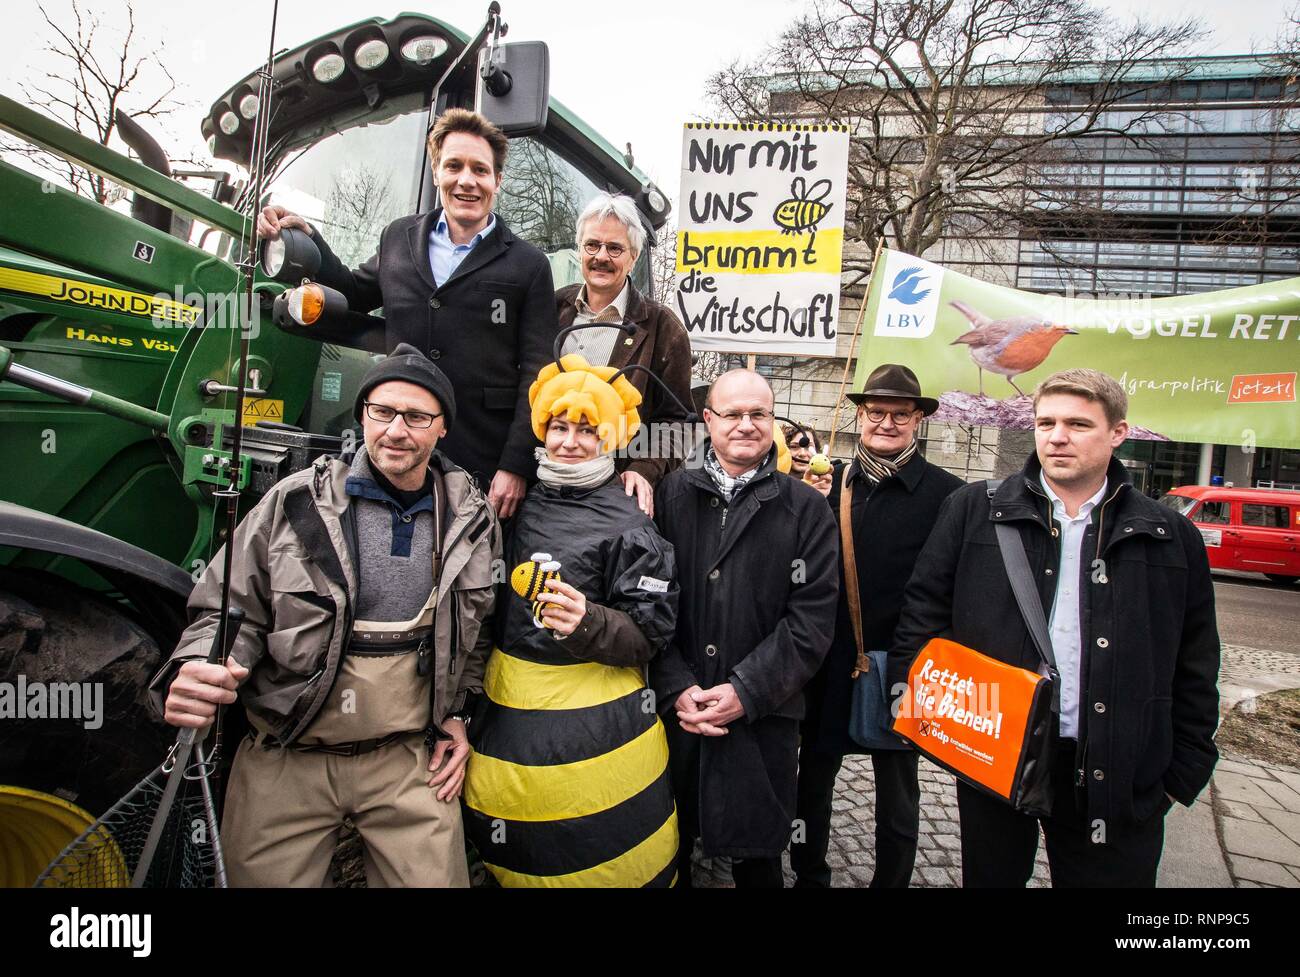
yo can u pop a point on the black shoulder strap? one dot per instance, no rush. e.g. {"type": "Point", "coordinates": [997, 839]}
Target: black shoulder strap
{"type": "Point", "coordinates": [1016, 562]}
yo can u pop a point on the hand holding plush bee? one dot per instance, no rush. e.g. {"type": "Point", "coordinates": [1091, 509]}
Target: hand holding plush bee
{"type": "Point", "coordinates": [556, 605]}
{"type": "Point", "coordinates": [563, 608]}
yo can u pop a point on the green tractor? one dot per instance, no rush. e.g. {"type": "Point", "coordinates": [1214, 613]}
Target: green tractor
{"type": "Point", "coordinates": [119, 342]}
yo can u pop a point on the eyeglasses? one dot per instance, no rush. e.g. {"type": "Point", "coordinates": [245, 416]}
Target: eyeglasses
{"type": "Point", "coordinates": [593, 248]}
{"type": "Point", "coordinates": [417, 419]}
{"type": "Point", "coordinates": [760, 416]}
{"type": "Point", "coordinates": [901, 417]}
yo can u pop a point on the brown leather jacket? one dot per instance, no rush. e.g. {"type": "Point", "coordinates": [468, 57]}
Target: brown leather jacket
{"type": "Point", "coordinates": [660, 343]}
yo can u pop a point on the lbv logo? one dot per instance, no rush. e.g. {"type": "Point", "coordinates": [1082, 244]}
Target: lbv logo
{"type": "Point", "coordinates": [910, 301]}
{"type": "Point", "coordinates": [905, 287]}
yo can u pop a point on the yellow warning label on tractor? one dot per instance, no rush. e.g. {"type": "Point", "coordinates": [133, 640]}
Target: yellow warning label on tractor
{"type": "Point", "coordinates": [97, 296]}
{"type": "Point", "coordinates": [263, 409]}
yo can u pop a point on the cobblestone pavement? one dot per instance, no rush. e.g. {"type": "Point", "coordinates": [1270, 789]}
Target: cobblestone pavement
{"type": "Point", "coordinates": [1256, 806]}
{"type": "Point", "coordinates": [852, 848]}
{"type": "Point", "coordinates": [938, 857]}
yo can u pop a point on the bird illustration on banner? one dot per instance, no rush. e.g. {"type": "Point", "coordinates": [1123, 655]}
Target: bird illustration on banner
{"type": "Point", "coordinates": [1008, 346]}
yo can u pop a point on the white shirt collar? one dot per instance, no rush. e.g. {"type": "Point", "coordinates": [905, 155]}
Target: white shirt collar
{"type": "Point", "coordinates": [1084, 510]}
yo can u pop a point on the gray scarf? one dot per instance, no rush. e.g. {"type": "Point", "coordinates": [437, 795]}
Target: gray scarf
{"type": "Point", "coordinates": [583, 475]}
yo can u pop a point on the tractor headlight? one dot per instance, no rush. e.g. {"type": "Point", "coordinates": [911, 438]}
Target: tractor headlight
{"type": "Point", "coordinates": [291, 257]}
{"type": "Point", "coordinates": [422, 50]}
{"type": "Point", "coordinates": [371, 54]}
{"type": "Point", "coordinates": [273, 257]}
{"type": "Point", "coordinates": [328, 67]}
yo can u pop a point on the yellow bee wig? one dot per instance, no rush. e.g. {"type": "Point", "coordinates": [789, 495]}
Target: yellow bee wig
{"type": "Point", "coordinates": [581, 390]}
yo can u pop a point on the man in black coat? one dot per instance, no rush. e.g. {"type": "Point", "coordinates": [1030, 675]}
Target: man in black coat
{"type": "Point", "coordinates": [459, 286]}
{"type": "Point", "coordinates": [1126, 588]}
{"type": "Point", "coordinates": [756, 558]}
{"type": "Point", "coordinates": [895, 495]}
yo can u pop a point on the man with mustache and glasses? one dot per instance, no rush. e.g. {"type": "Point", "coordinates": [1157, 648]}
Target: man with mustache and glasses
{"type": "Point", "coordinates": [610, 239]}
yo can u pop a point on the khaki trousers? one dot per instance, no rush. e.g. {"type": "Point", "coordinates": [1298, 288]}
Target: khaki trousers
{"type": "Point", "coordinates": [285, 809]}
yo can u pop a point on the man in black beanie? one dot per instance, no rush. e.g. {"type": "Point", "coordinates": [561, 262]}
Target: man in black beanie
{"type": "Point", "coordinates": [365, 587]}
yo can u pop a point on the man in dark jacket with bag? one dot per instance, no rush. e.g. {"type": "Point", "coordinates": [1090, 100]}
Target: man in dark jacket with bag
{"type": "Point", "coordinates": [1125, 586]}
{"type": "Point", "coordinates": [895, 495]}
{"type": "Point", "coordinates": [460, 287]}
{"type": "Point", "coordinates": [756, 557]}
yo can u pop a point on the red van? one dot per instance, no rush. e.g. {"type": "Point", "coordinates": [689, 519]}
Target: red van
{"type": "Point", "coordinates": [1251, 529]}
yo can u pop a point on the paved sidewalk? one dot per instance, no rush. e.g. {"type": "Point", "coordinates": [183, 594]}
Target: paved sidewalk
{"type": "Point", "coordinates": [1258, 810]}
{"type": "Point", "coordinates": [1257, 805]}
{"type": "Point", "coordinates": [1244, 830]}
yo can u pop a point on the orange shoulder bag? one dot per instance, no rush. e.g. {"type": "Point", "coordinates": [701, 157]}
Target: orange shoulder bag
{"type": "Point", "coordinates": [987, 721]}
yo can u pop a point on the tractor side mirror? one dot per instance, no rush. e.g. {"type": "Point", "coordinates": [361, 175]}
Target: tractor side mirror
{"type": "Point", "coordinates": [291, 257]}
{"type": "Point", "coordinates": [514, 87]}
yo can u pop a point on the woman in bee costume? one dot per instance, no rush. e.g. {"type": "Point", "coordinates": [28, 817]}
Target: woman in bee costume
{"type": "Point", "coordinates": [568, 781]}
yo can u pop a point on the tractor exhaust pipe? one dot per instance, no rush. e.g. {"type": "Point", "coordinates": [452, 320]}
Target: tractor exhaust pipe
{"type": "Point", "coordinates": [151, 155]}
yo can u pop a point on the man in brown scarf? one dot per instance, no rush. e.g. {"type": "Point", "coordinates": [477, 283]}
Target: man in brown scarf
{"type": "Point", "coordinates": [895, 500]}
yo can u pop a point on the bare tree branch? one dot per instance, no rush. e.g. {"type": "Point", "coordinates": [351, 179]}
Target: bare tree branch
{"type": "Point", "coordinates": [85, 96]}
{"type": "Point", "coordinates": [960, 111]}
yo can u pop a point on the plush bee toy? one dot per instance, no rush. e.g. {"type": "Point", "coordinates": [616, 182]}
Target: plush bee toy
{"type": "Point", "coordinates": [532, 577]}
{"type": "Point", "coordinates": [819, 465]}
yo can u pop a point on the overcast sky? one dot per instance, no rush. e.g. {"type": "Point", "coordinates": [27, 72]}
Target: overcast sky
{"type": "Point", "coordinates": [633, 72]}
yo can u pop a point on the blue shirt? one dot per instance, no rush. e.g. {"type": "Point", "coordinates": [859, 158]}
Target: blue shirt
{"type": "Point", "coordinates": [444, 256]}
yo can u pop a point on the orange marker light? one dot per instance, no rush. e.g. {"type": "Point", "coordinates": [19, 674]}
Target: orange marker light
{"type": "Point", "coordinates": [306, 303]}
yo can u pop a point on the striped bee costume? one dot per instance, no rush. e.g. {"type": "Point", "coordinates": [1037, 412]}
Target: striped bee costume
{"type": "Point", "coordinates": [568, 782]}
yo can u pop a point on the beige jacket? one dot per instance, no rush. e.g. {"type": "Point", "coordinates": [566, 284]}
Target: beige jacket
{"type": "Point", "coordinates": [294, 576]}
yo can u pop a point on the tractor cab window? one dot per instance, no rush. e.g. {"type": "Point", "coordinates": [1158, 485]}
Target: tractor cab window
{"type": "Point", "coordinates": [541, 197]}
{"type": "Point", "coordinates": [350, 183]}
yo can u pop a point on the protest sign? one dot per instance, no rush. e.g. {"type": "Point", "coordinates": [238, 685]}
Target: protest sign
{"type": "Point", "coordinates": [760, 238]}
{"type": "Point", "coordinates": [1216, 367]}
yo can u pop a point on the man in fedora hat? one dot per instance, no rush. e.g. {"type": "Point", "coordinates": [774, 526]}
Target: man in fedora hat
{"type": "Point", "coordinates": [894, 500]}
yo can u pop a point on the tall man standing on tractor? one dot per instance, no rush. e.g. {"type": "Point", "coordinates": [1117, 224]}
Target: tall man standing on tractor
{"type": "Point", "coordinates": [460, 287]}
{"type": "Point", "coordinates": [365, 587]}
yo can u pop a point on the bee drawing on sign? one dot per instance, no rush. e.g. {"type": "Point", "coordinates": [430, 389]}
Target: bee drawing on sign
{"type": "Point", "coordinates": [804, 210]}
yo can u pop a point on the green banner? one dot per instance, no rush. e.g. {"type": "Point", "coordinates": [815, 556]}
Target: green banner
{"type": "Point", "coordinates": [1217, 367]}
